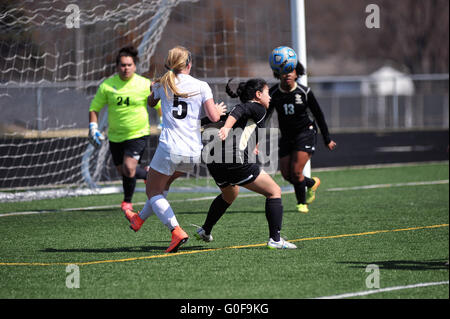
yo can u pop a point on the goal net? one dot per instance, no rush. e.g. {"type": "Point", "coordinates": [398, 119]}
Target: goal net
{"type": "Point", "coordinates": [55, 54]}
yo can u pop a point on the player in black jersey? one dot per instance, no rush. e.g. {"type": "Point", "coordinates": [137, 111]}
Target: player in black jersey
{"type": "Point", "coordinates": [232, 166]}
{"type": "Point", "coordinates": [294, 103]}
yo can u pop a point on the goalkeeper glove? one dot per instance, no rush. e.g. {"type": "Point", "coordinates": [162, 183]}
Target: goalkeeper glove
{"type": "Point", "coordinates": [95, 137]}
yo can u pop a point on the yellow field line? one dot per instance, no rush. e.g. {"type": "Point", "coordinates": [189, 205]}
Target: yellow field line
{"type": "Point", "coordinates": [370, 233]}
{"type": "Point", "coordinates": [215, 249]}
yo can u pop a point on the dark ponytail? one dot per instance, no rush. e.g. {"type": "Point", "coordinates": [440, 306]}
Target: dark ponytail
{"type": "Point", "coordinates": [228, 90]}
{"type": "Point", "coordinates": [246, 91]}
{"type": "Point", "coordinates": [128, 51]}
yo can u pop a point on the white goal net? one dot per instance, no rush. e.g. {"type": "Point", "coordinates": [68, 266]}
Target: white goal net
{"type": "Point", "coordinates": [55, 53]}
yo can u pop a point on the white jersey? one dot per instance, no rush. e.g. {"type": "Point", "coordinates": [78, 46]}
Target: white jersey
{"type": "Point", "coordinates": [180, 133]}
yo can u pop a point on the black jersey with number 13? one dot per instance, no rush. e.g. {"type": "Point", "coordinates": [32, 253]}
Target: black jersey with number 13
{"type": "Point", "coordinates": [292, 109]}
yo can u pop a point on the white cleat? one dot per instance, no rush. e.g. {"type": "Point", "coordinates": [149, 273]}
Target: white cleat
{"type": "Point", "coordinates": [282, 244]}
{"type": "Point", "coordinates": [201, 235]}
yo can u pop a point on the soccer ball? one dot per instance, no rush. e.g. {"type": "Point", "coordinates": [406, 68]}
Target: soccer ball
{"type": "Point", "coordinates": [283, 60]}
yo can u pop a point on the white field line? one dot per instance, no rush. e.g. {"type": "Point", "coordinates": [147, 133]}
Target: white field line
{"type": "Point", "coordinates": [338, 189]}
{"type": "Point", "coordinates": [77, 209]}
{"type": "Point", "coordinates": [374, 166]}
{"type": "Point", "coordinates": [375, 291]}
{"type": "Point", "coordinates": [286, 191]}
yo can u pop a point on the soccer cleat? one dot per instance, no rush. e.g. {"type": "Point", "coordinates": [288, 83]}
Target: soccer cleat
{"type": "Point", "coordinates": [201, 235]}
{"type": "Point", "coordinates": [311, 192]}
{"type": "Point", "coordinates": [302, 208]}
{"type": "Point", "coordinates": [126, 206]}
{"type": "Point", "coordinates": [179, 237]}
{"type": "Point", "coordinates": [134, 219]}
{"type": "Point", "coordinates": [281, 244]}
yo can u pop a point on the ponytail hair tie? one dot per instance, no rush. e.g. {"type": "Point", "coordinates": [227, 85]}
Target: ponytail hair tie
{"type": "Point", "coordinates": [165, 65]}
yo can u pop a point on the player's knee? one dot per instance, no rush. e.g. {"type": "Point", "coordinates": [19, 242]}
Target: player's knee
{"type": "Point", "coordinates": [274, 192]}
{"type": "Point", "coordinates": [230, 196]}
{"type": "Point", "coordinates": [297, 177]}
{"type": "Point", "coordinates": [128, 171]}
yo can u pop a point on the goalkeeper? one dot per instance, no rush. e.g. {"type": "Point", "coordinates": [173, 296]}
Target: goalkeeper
{"type": "Point", "coordinates": [126, 95]}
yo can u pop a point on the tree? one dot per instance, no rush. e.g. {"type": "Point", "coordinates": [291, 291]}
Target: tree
{"type": "Point", "coordinates": [415, 32]}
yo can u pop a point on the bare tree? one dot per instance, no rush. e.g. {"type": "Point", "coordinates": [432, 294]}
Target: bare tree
{"type": "Point", "coordinates": [415, 33]}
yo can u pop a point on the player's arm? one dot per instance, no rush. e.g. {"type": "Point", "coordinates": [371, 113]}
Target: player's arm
{"type": "Point", "coordinates": [213, 110]}
{"type": "Point", "coordinates": [235, 114]}
{"type": "Point", "coordinates": [152, 101]}
{"type": "Point", "coordinates": [155, 102]}
{"type": "Point", "coordinates": [93, 116]}
{"type": "Point", "coordinates": [223, 132]}
{"type": "Point", "coordinates": [95, 137]}
{"type": "Point", "coordinates": [206, 121]}
{"type": "Point", "coordinates": [320, 118]}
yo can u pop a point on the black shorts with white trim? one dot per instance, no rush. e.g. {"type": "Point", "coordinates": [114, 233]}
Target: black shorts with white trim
{"type": "Point", "coordinates": [132, 148]}
{"type": "Point", "coordinates": [305, 141]}
{"type": "Point", "coordinates": [226, 174]}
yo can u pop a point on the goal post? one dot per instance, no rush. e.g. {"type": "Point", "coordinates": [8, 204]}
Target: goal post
{"type": "Point", "coordinates": [298, 25]}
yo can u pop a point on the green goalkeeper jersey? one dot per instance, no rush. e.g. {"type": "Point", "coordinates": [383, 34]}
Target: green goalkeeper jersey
{"type": "Point", "coordinates": [127, 107]}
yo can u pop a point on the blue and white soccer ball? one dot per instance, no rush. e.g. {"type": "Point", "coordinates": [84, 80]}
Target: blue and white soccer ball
{"type": "Point", "coordinates": [283, 60]}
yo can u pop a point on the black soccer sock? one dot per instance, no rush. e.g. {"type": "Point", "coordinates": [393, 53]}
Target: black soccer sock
{"type": "Point", "coordinates": [300, 192]}
{"type": "Point", "coordinates": [309, 182]}
{"type": "Point", "coordinates": [141, 173]}
{"type": "Point", "coordinates": [129, 184]}
{"type": "Point", "coordinates": [216, 210]}
{"type": "Point", "coordinates": [274, 216]}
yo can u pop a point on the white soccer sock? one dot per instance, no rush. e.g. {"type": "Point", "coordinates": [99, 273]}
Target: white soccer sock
{"type": "Point", "coordinates": [147, 211]}
{"type": "Point", "coordinates": [162, 209]}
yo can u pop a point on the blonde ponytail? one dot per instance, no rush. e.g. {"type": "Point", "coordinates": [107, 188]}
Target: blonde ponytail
{"type": "Point", "coordinates": [177, 60]}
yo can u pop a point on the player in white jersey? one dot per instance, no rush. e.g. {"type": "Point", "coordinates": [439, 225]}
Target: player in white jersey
{"type": "Point", "coordinates": [184, 101]}
{"type": "Point", "coordinates": [181, 132]}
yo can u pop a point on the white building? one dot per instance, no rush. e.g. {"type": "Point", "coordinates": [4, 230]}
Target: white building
{"type": "Point", "coordinates": [387, 81]}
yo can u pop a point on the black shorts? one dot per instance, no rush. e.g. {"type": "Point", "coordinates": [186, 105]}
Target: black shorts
{"type": "Point", "coordinates": [133, 148]}
{"type": "Point", "coordinates": [226, 174]}
{"type": "Point", "coordinates": [305, 141]}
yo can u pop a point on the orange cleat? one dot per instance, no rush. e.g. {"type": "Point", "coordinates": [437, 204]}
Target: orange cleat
{"type": "Point", "coordinates": [179, 237]}
{"type": "Point", "coordinates": [134, 219]}
{"type": "Point", "coordinates": [126, 206]}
